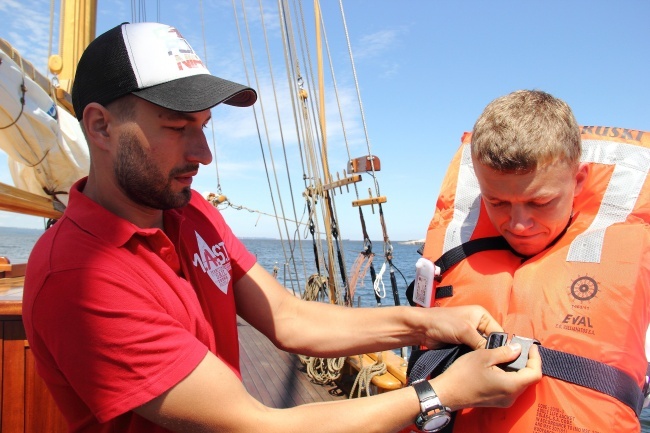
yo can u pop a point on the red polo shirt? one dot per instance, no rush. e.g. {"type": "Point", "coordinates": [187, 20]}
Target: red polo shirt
{"type": "Point", "coordinates": [116, 315]}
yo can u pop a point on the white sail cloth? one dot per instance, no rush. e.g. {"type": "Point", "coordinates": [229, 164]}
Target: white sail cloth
{"type": "Point", "coordinates": [46, 149]}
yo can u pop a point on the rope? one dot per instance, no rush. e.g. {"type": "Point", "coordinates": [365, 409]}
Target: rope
{"type": "Point", "coordinates": [372, 173]}
{"type": "Point", "coordinates": [373, 277]}
{"type": "Point", "coordinates": [312, 142]}
{"type": "Point", "coordinates": [359, 270]}
{"type": "Point", "coordinates": [339, 255]}
{"type": "Point", "coordinates": [138, 11]}
{"type": "Point", "coordinates": [143, 11]}
{"type": "Point", "coordinates": [366, 373]}
{"type": "Point", "coordinates": [51, 35]}
{"type": "Point", "coordinates": [23, 90]}
{"type": "Point", "coordinates": [338, 102]}
{"type": "Point", "coordinates": [285, 24]}
{"type": "Point", "coordinates": [367, 245]}
{"type": "Point", "coordinates": [323, 371]}
{"type": "Point", "coordinates": [316, 288]}
{"type": "Point", "coordinates": [356, 83]}
{"type": "Point", "coordinates": [299, 95]}
{"type": "Point", "coordinates": [205, 60]}
{"type": "Point", "coordinates": [257, 123]}
{"type": "Point", "coordinates": [320, 370]}
{"type": "Point", "coordinates": [334, 224]}
{"type": "Point", "coordinates": [312, 230]}
{"type": "Point", "coordinates": [280, 128]}
{"type": "Point", "coordinates": [217, 200]}
{"type": "Point", "coordinates": [380, 292]}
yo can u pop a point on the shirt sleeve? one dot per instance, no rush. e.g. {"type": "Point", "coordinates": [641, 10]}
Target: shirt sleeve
{"type": "Point", "coordinates": [115, 343]}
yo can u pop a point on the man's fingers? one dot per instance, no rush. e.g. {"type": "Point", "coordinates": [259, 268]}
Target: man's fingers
{"type": "Point", "coordinates": [534, 359]}
{"type": "Point", "coordinates": [487, 325]}
{"type": "Point", "coordinates": [506, 353]}
{"type": "Point", "coordinates": [479, 343]}
{"type": "Point", "coordinates": [510, 352]}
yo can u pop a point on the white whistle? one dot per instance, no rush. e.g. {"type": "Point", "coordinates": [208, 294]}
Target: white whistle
{"type": "Point", "coordinates": [425, 272]}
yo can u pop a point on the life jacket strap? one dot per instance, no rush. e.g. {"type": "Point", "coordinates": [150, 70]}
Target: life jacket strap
{"type": "Point", "coordinates": [592, 374]}
{"type": "Point", "coordinates": [557, 364]}
{"type": "Point", "coordinates": [457, 254]}
{"type": "Point", "coordinates": [462, 251]}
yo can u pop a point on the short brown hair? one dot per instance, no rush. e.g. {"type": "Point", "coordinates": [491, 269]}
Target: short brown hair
{"type": "Point", "coordinates": [122, 108]}
{"type": "Point", "coordinates": [519, 131]}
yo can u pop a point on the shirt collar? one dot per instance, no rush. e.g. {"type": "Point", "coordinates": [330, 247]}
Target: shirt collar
{"type": "Point", "coordinates": [102, 223]}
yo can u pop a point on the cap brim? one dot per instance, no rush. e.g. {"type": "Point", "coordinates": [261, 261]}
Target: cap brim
{"type": "Point", "coordinates": [198, 93]}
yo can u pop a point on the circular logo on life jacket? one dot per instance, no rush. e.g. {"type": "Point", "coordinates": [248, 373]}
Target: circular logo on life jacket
{"type": "Point", "coordinates": [584, 288]}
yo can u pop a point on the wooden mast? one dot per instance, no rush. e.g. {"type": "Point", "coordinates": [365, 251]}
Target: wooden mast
{"type": "Point", "coordinates": [326, 173]}
{"type": "Point", "coordinates": [76, 30]}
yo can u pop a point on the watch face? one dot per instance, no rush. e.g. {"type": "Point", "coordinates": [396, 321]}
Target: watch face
{"type": "Point", "coordinates": [436, 422]}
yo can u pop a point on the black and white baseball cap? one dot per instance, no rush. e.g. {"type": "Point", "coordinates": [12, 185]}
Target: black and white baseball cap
{"type": "Point", "coordinates": [154, 62]}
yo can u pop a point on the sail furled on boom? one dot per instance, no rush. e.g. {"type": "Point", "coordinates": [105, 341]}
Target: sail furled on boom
{"type": "Point", "coordinates": [46, 149]}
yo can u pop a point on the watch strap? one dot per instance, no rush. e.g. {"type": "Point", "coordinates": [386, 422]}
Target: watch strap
{"type": "Point", "coordinates": [430, 407]}
{"type": "Point", "coordinates": [427, 396]}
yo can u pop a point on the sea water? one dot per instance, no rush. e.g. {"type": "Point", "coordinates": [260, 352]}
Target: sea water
{"type": "Point", "coordinates": [16, 244]}
{"type": "Point", "coordinates": [271, 255]}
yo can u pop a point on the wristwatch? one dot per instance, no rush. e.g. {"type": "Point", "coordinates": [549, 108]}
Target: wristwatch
{"type": "Point", "coordinates": [433, 415]}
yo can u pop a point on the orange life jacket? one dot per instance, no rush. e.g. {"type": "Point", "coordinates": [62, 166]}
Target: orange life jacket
{"type": "Point", "coordinates": [588, 294]}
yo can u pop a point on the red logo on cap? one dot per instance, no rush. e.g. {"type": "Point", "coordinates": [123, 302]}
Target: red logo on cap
{"type": "Point", "coordinates": [183, 52]}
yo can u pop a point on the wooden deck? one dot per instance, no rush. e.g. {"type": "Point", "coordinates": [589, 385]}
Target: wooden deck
{"type": "Point", "coordinates": [277, 378]}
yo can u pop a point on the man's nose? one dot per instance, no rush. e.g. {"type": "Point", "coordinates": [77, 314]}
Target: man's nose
{"type": "Point", "coordinates": [520, 219]}
{"type": "Point", "coordinates": [198, 150]}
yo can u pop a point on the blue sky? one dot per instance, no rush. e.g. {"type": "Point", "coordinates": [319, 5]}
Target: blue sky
{"type": "Point", "coordinates": [426, 70]}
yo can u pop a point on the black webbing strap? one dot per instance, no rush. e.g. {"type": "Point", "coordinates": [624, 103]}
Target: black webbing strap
{"type": "Point", "coordinates": [592, 374]}
{"type": "Point", "coordinates": [461, 252]}
{"type": "Point", "coordinates": [431, 363]}
{"type": "Point", "coordinates": [559, 365]}
{"type": "Point", "coordinates": [455, 255]}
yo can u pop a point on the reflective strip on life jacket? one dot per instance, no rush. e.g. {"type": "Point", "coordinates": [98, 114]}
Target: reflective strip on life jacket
{"type": "Point", "coordinates": [631, 166]}
{"type": "Point", "coordinates": [466, 209]}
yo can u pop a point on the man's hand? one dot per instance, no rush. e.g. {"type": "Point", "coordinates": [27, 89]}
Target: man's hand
{"type": "Point", "coordinates": [459, 325]}
{"type": "Point", "coordinates": [474, 379]}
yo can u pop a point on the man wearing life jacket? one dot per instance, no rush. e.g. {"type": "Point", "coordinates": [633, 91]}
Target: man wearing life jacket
{"type": "Point", "coordinates": [573, 207]}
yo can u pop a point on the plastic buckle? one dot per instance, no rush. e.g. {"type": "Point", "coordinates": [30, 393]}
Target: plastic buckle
{"type": "Point", "coordinates": [498, 339]}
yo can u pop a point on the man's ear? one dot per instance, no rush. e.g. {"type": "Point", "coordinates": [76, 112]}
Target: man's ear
{"type": "Point", "coordinates": [581, 178]}
{"type": "Point", "coordinates": [96, 121]}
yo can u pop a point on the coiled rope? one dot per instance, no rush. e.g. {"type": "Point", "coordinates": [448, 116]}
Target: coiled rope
{"type": "Point", "coordinates": [320, 370]}
{"type": "Point", "coordinates": [316, 288]}
{"type": "Point", "coordinates": [366, 373]}
{"type": "Point", "coordinates": [323, 370]}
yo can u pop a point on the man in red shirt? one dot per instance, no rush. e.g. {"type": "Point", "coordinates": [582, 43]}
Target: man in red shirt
{"type": "Point", "coordinates": [131, 299]}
